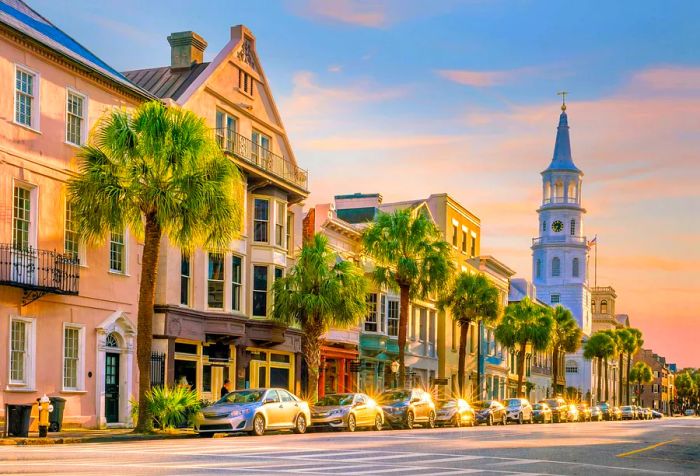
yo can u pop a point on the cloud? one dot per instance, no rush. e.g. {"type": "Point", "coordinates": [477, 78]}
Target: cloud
{"type": "Point", "coordinates": [679, 80]}
{"type": "Point", "coordinates": [380, 142]}
{"type": "Point", "coordinates": [478, 79]}
{"type": "Point", "coordinates": [335, 68]}
{"type": "Point", "coordinates": [353, 12]}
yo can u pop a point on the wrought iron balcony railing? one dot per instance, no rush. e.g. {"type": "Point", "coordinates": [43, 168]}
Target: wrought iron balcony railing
{"type": "Point", "coordinates": [559, 239]}
{"type": "Point", "coordinates": [38, 272]}
{"type": "Point", "coordinates": [254, 154]}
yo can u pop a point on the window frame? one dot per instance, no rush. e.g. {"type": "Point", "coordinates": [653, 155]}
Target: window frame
{"type": "Point", "coordinates": [259, 152]}
{"type": "Point", "coordinates": [257, 220]}
{"type": "Point", "coordinates": [555, 298]}
{"type": "Point", "coordinates": [575, 268]}
{"type": "Point", "coordinates": [237, 286]}
{"type": "Point", "coordinates": [209, 280]}
{"type": "Point", "coordinates": [29, 364]}
{"type": "Point", "coordinates": [280, 223]}
{"type": "Point", "coordinates": [266, 291]}
{"type": "Point", "coordinates": [83, 117]}
{"type": "Point", "coordinates": [226, 141]}
{"type": "Point", "coordinates": [372, 309]}
{"type": "Point", "coordinates": [188, 277]}
{"type": "Point", "coordinates": [80, 364]}
{"type": "Point", "coordinates": [556, 270]}
{"type": "Point", "coordinates": [35, 117]}
{"type": "Point", "coordinates": [70, 235]}
{"type": "Point", "coordinates": [572, 227]}
{"type": "Point", "coordinates": [390, 301]}
{"type": "Point", "coordinates": [33, 205]}
{"type": "Point", "coordinates": [124, 253]}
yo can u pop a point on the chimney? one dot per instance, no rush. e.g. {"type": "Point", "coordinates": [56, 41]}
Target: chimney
{"type": "Point", "coordinates": [186, 49]}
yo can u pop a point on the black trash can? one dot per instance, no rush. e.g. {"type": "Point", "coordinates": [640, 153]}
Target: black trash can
{"type": "Point", "coordinates": [18, 417]}
{"type": "Point", "coordinates": [56, 416]}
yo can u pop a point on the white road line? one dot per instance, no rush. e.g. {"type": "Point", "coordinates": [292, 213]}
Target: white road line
{"type": "Point", "coordinates": [392, 456]}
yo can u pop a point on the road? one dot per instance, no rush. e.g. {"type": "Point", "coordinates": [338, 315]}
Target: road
{"type": "Point", "coordinates": [667, 446]}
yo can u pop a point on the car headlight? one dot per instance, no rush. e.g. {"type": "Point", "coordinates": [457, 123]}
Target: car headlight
{"type": "Point", "coordinates": [237, 413]}
{"type": "Point", "coordinates": [337, 411]}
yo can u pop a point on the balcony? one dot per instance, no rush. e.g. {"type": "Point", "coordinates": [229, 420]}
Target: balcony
{"type": "Point", "coordinates": [38, 272]}
{"type": "Point", "coordinates": [558, 200]}
{"type": "Point", "coordinates": [558, 239]}
{"type": "Point", "coordinates": [261, 158]}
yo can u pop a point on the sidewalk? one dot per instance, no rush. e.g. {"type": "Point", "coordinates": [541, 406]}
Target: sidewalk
{"type": "Point", "coordinates": [95, 436]}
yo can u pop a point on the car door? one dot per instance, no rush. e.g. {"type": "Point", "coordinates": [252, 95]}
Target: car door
{"type": "Point", "coordinates": [421, 406]}
{"type": "Point", "coordinates": [291, 407]}
{"type": "Point", "coordinates": [360, 410]}
{"type": "Point", "coordinates": [274, 409]}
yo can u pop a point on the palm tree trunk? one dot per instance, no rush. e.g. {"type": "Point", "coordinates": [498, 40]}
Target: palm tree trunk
{"type": "Point", "coordinates": [555, 370]}
{"type": "Point", "coordinates": [403, 328]}
{"type": "Point", "coordinates": [311, 347]}
{"type": "Point", "coordinates": [605, 363]}
{"type": "Point", "coordinates": [627, 380]}
{"type": "Point", "coordinates": [144, 338]}
{"type": "Point", "coordinates": [619, 394]}
{"type": "Point", "coordinates": [478, 360]}
{"type": "Point", "coordinates": [600, 375]}
{"type": "Point", "coordinates": [521, 370]}
{"type": "Point", "coordinates": [461, 365]}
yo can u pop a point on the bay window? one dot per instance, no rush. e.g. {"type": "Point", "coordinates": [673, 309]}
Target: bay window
{"type": "Point", "coordinates": [215, 281]}
{"type": "Point", "coordinates": [260, 291]}
{"type": "Point", "coordinates": [261, 220]}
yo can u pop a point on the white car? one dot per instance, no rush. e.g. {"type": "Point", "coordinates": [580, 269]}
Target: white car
{"type": "Point", "coordinates": [518, 410]}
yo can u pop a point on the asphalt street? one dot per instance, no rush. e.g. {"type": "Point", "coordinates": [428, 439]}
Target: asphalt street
{"type": "Point", "coordinates": [667, 446]}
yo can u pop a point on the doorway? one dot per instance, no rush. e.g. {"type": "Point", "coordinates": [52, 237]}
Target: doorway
{"type": "Point", "coordinates": [112, 387]}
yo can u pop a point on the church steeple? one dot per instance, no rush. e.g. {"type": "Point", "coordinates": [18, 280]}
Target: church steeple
{"type": "Point", "coordinates": [561, 160]}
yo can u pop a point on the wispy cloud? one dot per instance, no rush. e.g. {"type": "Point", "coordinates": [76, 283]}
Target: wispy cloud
{"type": "Point", "coordinates": [353, 12]}
{"type": "Point", "coordinates": [487, 79]}
{"type": "Point", "coordinates": [679, 80]}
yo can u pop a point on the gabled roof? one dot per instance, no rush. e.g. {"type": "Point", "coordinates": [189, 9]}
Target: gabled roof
{"type": "Point", "coordinates": [166, 82]}
{"type": "Point", "coordinates": [18, 16]}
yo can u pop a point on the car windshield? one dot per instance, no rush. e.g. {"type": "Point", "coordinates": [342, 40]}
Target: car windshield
{"type": "Point", "coordinates": [447, 404]}
{"type": "Point", "coordinates": [334, 400]}
{"type": "Point", "coordinates": [513, 402]}
{"type": "Point", "coordinates": [626, 408]}
{"type": "Point", "coordinates": [242, 396]}
{"type": "Point", "coordinates": [539, 406]}
{"type": "Point", "coordinates": [553, 403]}
{"type": "Point", "coordinates": [482, 405]}
{"type": "Point", "coordinates": [394, 396]}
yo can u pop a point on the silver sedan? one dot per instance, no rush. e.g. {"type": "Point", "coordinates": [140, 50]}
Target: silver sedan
{"type": "Point", "coordinates": [347, 410]}
{"type": "Point", "coordinates": [254, 411]}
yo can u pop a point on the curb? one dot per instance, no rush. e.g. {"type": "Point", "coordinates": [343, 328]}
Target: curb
{"type": "Point", "coordinates": [90, 439]}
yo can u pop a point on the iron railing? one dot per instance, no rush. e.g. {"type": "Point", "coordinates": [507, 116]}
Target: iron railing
{"type": "Point", "coordinates": [157, 369]}
{"type": "Point", "coordinates": [547, 201]}
{"type": "Point", "coordinates": [38, 270]}
{"type": "Point", "coordinates": [559, 239]}
{"type": "Point", "coordinates": [254, 154]}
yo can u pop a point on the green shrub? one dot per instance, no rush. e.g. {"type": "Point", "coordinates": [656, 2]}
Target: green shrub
{"type": "Point", "coordinates": [171, 407]}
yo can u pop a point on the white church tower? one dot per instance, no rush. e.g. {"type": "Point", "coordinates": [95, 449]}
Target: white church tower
{"type": "Point", "coordinates": [560, 252]}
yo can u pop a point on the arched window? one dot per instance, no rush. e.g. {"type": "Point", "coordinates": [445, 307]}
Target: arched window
{"type": "Point", "coordinates": [556, 266]}
{"type": "Point", "coordinates": [111, 340]}
{"type": "Point", "coordinates": [603, 306]}
{"type": "Point", "coordinates": [547, 191]}
{"type": "Point", "coordinates": [574, 268]}
{"type": "Point", "coordinates": [559, 189]}
{"type": "Point", "coordinates": [573, 228]}
{"type": "Point", "coordinates": [538, 268]}
{"type": "Point", "coordinates": [571, 192]}
{"type": "Point", "coordinates": [593, 307]}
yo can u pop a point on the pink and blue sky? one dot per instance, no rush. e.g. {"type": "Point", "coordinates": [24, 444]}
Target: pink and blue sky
{"type": "Point", "coordinates": [410, 97]}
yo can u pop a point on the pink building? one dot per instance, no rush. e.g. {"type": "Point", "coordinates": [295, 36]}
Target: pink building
{"type": "Point", "coordinates": [67, 312]}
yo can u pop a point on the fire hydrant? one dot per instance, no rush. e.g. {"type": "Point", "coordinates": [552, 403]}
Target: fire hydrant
{"type": "Point", "coordinates": [45, 408]}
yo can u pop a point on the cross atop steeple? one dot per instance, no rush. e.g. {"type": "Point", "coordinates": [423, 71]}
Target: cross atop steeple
{"type": "Point", "coordinates": [563, 99]}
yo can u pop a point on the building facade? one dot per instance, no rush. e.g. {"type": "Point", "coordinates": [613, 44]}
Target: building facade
{"type": "Point", "coordinates": [67, 311]}
{"type": "Point", "coordinates": [212, 306]}
{"type": "Point", "coordinates": [560, 252]}
{"type": "Point", "coordinates": [657, 394]}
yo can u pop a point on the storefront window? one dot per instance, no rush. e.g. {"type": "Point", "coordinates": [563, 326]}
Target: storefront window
{"type": "Point", "coordinates": [186, 373]}
{"type": "Point", "coordinates": [279, 377]}
{"type": "Point", "coordinates": [270, 369]}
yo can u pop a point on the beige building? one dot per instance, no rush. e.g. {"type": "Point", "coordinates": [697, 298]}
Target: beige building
{"type": "Point", "coordinates": [212, 306]}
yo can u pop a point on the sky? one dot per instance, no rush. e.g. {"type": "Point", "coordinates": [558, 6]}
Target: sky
{"type": "Point", "coordinates": [410, 97]}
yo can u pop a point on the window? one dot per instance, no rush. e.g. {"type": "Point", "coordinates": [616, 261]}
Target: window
{"type": "Point", "coordinates": [573, 228]}
{"type": "Point", "coordinates": [215, 281]}
{"type": "Point", "coordinates": [655, 388]}
{"type": "Point", "coordinates": [236, 282]}
{"type": "Point", "coordinates": [571, 367]}
{"type": "Point", "coordinates": [473, 330]}
{"type": "Point", "coordinates": [261, 220]}
{"type": "Point", "coordinates": [245, 82]}
{"type": "Point", "coordinates": [382, 313]}
{"type": "Point", "coordinates": [290, 224]}
{"type": "Point", "coordinates": [279, 273]}
{"type": "Point", "coordinates": [454, 236]}
{"type": "Point", "coordinates": [392, 313]}
{"type": "Point", "coordinates": [574, 268]}
{"type": "Point", "coordinates": [22, 342]}
{"type": "Point", "coordinates": [226, 131]}
{"type": "Point", "coordinates": [260, 290]}
{"type": "Point", "coordinates": [280, 218]}
{"type": "Point", "coordinates": [544, 225]}
{"type": "Point", "coordinates": [72, 357]}
{"type": "Point", "coordinates": [464, 241]}
{"type": "Point", "coordinates": [538, 268]}
{"type": "Point", "coordinates": [261, 148]}
{"type": "Point", "coordinates": [25, 93]}
{"type": "Point", "coordinates": [555, 299]}
{"type": "Point", "coordinates": [603, 306]}
{"type": "Point", "coordinates": [185, 279]}
{"type": "Point", "coordinates": [472, 252]}
{"type": "Point", "coordinates": [371, 319]}
{"type": "Point", "coordinates": [70, 236]}
{"type": "Point", "coordinates": [593, 307]}
{"type": "Point", "coordinates": [556, 266]}
{"type": "Point", "coordinates": [21, 218]}
{"type": "Point", "coordinates": [116, 252]}
{"type": "Point", "coordinates": [75, 117]}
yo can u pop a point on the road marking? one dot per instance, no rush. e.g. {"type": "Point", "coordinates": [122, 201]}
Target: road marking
{"type": "Point", "coordinates": [646, 448]}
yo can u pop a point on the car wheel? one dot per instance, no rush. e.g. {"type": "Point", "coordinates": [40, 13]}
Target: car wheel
{"type": "Point", "coordinates": [520, 419]}
{"type": "Point", "coordinates": [410, 419]}
{"type": "Point", "coordinates": [504, 420]}
{"type": "Point", "coordinates": [205, 435]}
{"type": "Point", "coordinates": [489, 422]}
{"type": "Point", "coordinates": [258, 425]}
{"type": "Point", "coordinates": [377, 423]}
{"type": "Point", "coordinates": [352, 423]}
{"type": "Point", "coordinates": [300, 426]}
{"type": "Point", "coordinates": [457, 421]}
{"type": "Point", "coordinates": [431, 420]}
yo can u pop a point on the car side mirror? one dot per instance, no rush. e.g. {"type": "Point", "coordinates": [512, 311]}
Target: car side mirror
{"type": "Point", "coordinates": [268, 400]}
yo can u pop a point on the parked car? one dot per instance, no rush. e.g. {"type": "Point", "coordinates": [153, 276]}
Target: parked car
{"type": "Point", "coordinates": [404, 408]}
{"type": "Point", "coordinates": [646, 413]}
{"type": "Point", "coordinates": [559, 409]}
{"type": "Point", "coordinates": [572, 414]}
{"type": "Point", "coordinates": [655, 415]}
{"type": "Point", "coordinates": [584, 412]}
{"type": "Point", "coordinates": [616, 413]}
{"type": "Point", "coordinates": [490, 412]}
{"type": "Point", "coordinates": [541, 413]}
{"type": "Point", "coordinates": [605, 409]}
{"type": "Point", "coordinates": [596, 413]}
{"type": "Point", "coordinates": [628, 412]}
{"type": "Point", "coordinates": [347, 411]}
{"type": "Point", "coordinates": [454, 412]}
{"type": "Point", "coordinates": [518, 410]}
{"type": "Point", "coordinates": [254, 411]}
{"type": "Point", "coordinates": [689, 412]}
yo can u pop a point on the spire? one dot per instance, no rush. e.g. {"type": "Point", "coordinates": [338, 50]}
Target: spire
{"type": "Point", "coordinates": [562, 148]}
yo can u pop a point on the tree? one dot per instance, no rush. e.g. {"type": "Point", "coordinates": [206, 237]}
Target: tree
{"type": "Point", "coordinates": [159, 173]}
{"type": "Point", "coordinates": [525, 323]}
{"type": "Point", "coordinates": [409, 254]}
{"type": "Point", "coordinates": [613, 335]}
{"type": "Point", "coordinates": [566, 338]}
{"type": "Point", "coordinates": [626, 342]}
{"type": "Point", "coordinates": [321, 291]}
{"type": "Point", "coordinates": [635, 344]}
{"type": "Point", "coordinates": [640, 374]}
{"type": "Point", "coordinates": [688, 388]}
{"type": "Point", "coordinates": [471, 299]}
{"type": "Point", "coordinates": [599, 346]}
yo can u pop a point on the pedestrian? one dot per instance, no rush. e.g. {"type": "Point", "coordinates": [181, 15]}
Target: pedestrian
{"type": "Point", "coordinates": [226, 389]}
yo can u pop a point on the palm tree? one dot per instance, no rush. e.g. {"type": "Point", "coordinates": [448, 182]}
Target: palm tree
{"type": "Point", "coordinates": [599, 346]}
{"type": "Point", "coordinates": [409, 254]}
{"type": "Point", "coordinates": [471, 299]}
{"type": "Point", "coordinates": [640, 374]}
{"type": "Point", "coordinates": [159, 173]}
{"type": "Point", "coordinates": [321, 291]}
{"type": "Point", "coordinates": [525, 322]}
{"type": "Point", "coordinates": [613, 335]}
{"type": "Point", "coordinates": [635, 344]}
{"type": "Point", "coordinates": [626, 343]}
{"type": "Point", "coordinates": [686, 388]}
{"type": "Point", "coordinates": [566, 337]}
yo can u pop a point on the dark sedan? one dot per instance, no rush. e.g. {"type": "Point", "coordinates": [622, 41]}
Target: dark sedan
{"type": "Point", "coordinates": [490, 412]}
{"type": "Point", "coordinates": [541, 413]}
{"type": "Point", "coordinates": [560, 409]}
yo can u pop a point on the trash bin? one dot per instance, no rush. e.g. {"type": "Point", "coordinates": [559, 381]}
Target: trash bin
{"type": "Point", "coordinates": [56, 416]}
{"type": "Point", "coordinates": [17, 419]}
